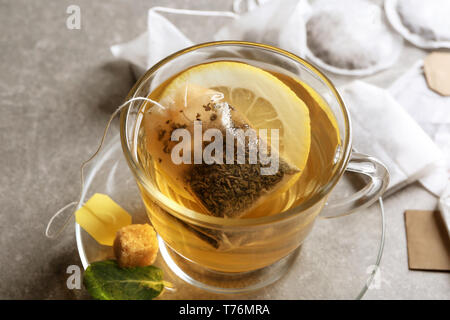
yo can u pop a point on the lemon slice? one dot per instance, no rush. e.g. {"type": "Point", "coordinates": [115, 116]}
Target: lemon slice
{"type": "Point", "coordinates": [265, 100]}
{"type": "Point", "coordinates": [316, 99]}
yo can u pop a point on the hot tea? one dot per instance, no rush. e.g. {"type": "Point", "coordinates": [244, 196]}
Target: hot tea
{"type": "Point", "coordinates": [293, 125]}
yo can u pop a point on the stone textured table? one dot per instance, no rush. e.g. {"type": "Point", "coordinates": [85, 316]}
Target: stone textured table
{"type": "Point", "coordinates": [57, 90]}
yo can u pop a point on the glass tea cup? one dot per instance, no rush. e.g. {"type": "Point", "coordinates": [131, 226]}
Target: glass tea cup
{"type": "Point", "coordinates": [236, 255]}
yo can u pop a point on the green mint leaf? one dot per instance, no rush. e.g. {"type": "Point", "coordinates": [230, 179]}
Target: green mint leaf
{"type": "Point", "coordinates": [105, 280]}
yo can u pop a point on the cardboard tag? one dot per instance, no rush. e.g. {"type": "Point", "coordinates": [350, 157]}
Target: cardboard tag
{"type": "Point", "coordinates": [101, 217]}
{"type": "Point", "coordinates": [428, 241]}
{"type": "Point", "coordinates": [437, 72]}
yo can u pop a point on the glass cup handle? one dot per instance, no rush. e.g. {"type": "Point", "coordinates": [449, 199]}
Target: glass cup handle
{"type": "Point", "coordinates": [377, 183]}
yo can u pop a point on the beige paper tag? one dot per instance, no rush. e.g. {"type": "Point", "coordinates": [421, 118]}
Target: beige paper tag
{"type": "Point", "coordinates": [428, 241]}
{"type": "Point", "coordinates": [437, 72]}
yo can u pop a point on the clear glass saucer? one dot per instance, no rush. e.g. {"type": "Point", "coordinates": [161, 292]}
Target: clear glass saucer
{"type": "Point", "coordinates": [338, 260]}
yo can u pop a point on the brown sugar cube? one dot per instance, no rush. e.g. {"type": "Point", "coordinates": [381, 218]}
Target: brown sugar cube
{"type": "Point", "coordinates": [136, 245]}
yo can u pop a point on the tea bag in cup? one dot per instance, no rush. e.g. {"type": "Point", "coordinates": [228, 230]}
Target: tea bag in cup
{"type": "Point", "coordinates": [196, 142]}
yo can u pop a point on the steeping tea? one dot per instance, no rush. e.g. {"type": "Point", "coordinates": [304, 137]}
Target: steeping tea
{"type": "Point", "coordinates": [239, 168]}
{"type": "Point", "coordinates": [292, 124]}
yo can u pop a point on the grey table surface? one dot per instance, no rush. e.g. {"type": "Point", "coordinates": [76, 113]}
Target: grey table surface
{"type": "Point", "coordinates": [57, 90]}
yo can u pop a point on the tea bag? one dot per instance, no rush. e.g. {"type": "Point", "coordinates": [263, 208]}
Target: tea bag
{"type": "Point", "coordinates": [221, 184]}
{"type": "Point", "coordinates": [278, 23]}
{"type": "Point", "coordinates": [431, 111]}
{"type": "Point", "coordinates": [350, 37]}
{"type": "Point", "coordinates": [382, 127]}
{"type": "Point", "coordinates": [161, 38]}
{"type": "Point", "coordinates": [425, 24]}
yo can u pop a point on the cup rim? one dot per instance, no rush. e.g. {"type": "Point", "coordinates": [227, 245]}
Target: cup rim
{"type": "Point", "coordinates": [203, 220]}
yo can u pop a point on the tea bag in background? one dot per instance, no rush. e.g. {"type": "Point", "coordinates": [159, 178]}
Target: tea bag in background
{"type": "Point", "coordinates": [372, 45]}
{"type": "Point", "coordinates": [161, 39]}
{"type": "Point", "coordinates": [222, 189]}
{"type": "Point", "coordinates": [278, 23]}
{"type": "Point", "coordinates": [351, 37]}
{"type": "Point", "coordinates": [382, 128]}
{"type": "Point", "coordinates": [425, 24]}
{"type": "Point", "coordinates": [432, 112]}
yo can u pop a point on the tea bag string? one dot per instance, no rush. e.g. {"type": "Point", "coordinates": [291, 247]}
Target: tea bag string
{"type": "Point", "coordinates": [196, 12]}
{"type": "Point", "coordinates": [82, 167]}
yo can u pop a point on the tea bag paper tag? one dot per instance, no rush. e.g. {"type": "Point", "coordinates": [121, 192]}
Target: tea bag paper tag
{"type": "Point", "coordinates": [428, 241]}
{"type": "Point", "coordinates": [101, 217]}
{"type": "Point", "coordinates": [437, 72]}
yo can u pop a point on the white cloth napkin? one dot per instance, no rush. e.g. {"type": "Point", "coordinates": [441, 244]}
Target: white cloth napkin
{"type": "Point", "coordinates": [382, 128]}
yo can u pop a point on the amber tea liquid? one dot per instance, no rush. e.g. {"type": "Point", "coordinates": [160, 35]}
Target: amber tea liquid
{"type": "Point", "coordinates": [245, 250]}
